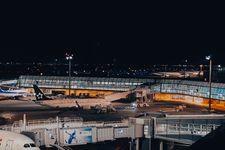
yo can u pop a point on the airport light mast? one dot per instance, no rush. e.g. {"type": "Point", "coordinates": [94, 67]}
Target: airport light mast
{"type": "Point", "coordinates": [186, 67]}
{"type": "Point", "coordinates": [69, 57]}
{"type": "Point", "coordinates": [210, 80]}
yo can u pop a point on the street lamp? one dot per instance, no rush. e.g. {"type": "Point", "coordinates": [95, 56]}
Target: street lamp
{"type": "Point", "coordinates": [210, 79]}
{"type": "Point", "coordinates": [69, 57]}
{"type": "Point", "coordinates": [185, 69]}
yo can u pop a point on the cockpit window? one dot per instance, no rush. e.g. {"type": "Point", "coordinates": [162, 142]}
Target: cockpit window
{"type": "Point", "coordinates": [26, 145]}
{"type": "Point", "coordinates": [32, 145]}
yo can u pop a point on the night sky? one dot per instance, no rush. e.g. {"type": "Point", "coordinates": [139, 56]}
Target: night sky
{"type": "Point", "coordinates": [126, 34]}
{"type": "Point", "coordinates": [101, 51]}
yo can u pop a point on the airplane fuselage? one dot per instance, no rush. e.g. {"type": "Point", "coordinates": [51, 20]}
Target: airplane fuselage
{"type": "Point", "coordinates": [14, 141]}
{"type": "Point", "coordinates": [13, 93]}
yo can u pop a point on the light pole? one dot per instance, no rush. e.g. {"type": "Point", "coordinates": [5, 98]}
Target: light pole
{"type": "Point", "coordinates": [69, 57]}
{"type": "Point", "coordinates": [185, 69]}
{"type": "Point", "coordinates": [210, 80]}
{"type": "Point", "coordinates": [200, 71]}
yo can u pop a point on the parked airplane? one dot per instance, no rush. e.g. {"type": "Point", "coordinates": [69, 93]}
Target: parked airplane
{"type": "Point", "coordinates": [15, 93]}
{"type": "Point", "coordinates": [169, 74]}
{"type": "Point", "coordinates": [14, 141]}
{"type": "Point", "coordinates": [99, 105]}
{"type": "Point", "coordinates": [40, 96]}
{"type": "Point", "coordinates": [178, 74]}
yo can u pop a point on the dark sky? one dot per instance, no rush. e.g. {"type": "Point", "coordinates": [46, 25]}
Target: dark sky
{"type": "Point", "coordinates": [122, 33]}
{"type": "Point", "coordinates": [101, 51]}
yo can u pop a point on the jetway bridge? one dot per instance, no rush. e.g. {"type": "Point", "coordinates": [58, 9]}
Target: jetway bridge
{"type": "Point", "coordinates": [64, 132]}
{"type": "Point", "coordinates": [186, 129]}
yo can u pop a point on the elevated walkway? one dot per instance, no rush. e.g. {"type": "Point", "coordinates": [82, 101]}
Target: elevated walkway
{"type": "Point", "coordinates": [186, 129]}
{"type": "Point", "coordinates": [69, 132]}
{"type": "Point", "coordinates": [213, 140]}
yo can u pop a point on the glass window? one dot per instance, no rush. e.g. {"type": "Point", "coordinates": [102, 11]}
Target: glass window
{"type": "Point", "coordinates": [26, 145]}
{"type": "Point", "coordinates": [32, 145]}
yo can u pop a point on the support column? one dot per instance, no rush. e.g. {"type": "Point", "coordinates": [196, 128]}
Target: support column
{"type": "Point", "coordinates": [57, 131]}
{"type": "Point", "coordinates": [170, 145]}
{"type": "Point", "coordinates": [150, 144]}
{"type": "Point", "coordinates": [137, 143]}
{"type": "Point", "coordinates": [131, 144]}
{"type": "Point", "coordinates": [24, 121]}
{"type": "Point", "coordinates": [161, 145]}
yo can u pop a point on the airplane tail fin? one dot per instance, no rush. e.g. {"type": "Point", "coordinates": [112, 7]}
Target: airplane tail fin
{"type": "Point", "coordinates": [39, 94]}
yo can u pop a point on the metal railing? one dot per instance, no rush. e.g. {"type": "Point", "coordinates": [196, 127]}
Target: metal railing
{"type": "Point", "coordinates": [185, 130]}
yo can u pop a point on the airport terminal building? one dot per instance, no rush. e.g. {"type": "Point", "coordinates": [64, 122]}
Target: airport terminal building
{"type": "Point", "coordinates": [184, 91]}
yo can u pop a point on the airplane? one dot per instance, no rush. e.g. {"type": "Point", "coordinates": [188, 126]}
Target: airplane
{"type": "Point", "coordinates": [14, 93]}
{"type": "Point", "coordinates": [169, 74]}
{"type": "Point", "coordinates": [15, 141]}
{"type": "Point", "coordinates": [99, 106]}
{"type": "Point", "coordinates": [180, 74]}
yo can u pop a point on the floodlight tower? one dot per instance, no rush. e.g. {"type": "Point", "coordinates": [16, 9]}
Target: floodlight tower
{"type": "Point", "coordinates": [69, 57]}
{"type": "Point", "coordinates": [210, 80]}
